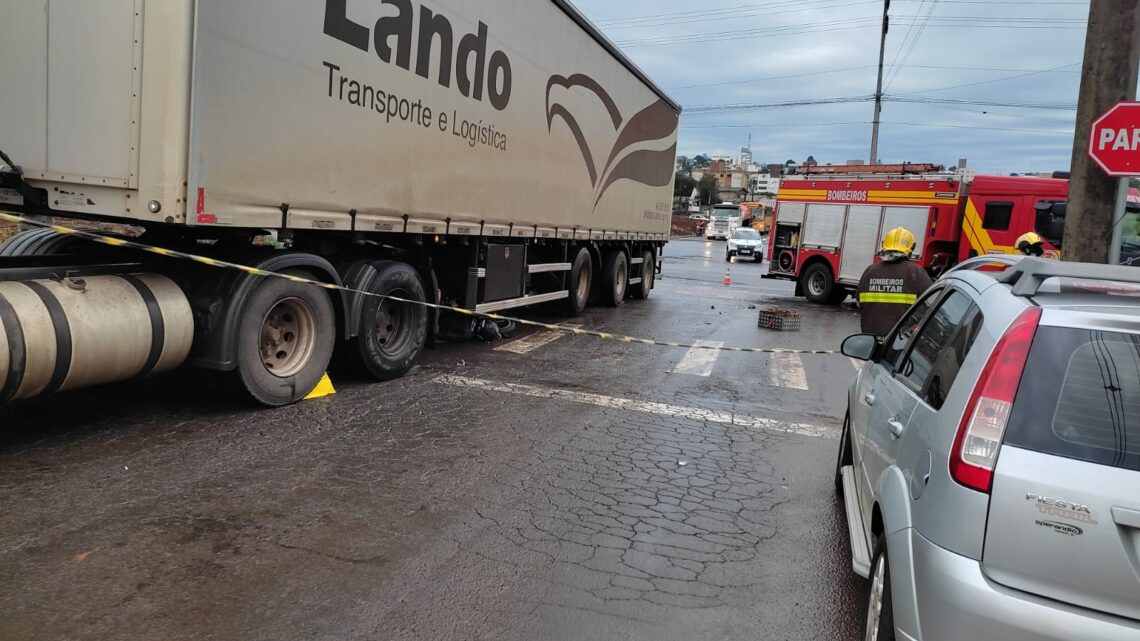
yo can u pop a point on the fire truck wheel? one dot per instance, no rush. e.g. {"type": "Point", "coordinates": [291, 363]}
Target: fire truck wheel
{"type": "Point", "coordinates": [817, 283]}
{"type": "Point", "coordinates": [615, 278]}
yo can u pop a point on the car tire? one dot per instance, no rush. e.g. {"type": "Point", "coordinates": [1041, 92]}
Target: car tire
{"type": "Point", "coordinates": [844, 458]}
{"type": "Point", "coordinates": [648, 275]}
{"type": "Point", "coordinates": [879, 621]}
{"type": "Point", "coordinates": [728, 257]}
{"type": "Point", "coordinates": [758, 258]}
{"type": "Point", "coordinates": [390, 335]}
{"type": "Point", "coordinates": [615, 278]}
{"type": "Point", "coordinates": [817, 283]}
{"type": "Point", "coordinates": [581, 278]}
{"type": "Point", "coordinates": [285, 340]}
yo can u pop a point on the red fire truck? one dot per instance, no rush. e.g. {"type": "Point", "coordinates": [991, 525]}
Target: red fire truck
{"type": "Point", "coordinates": [827, 231]}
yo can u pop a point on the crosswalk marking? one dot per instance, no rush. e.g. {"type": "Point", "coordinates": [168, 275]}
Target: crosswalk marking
{"type": "Point", "coordinates": [649, 407]}
{"type": "Point", "coordinates": [528, 344]}
{"type": "Point", "coordinates": [699, 362]}
{"type": "Point", "coordinates": [787, 370]}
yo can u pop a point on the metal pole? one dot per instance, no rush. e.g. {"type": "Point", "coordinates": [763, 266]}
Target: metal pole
{"type": "Point", "coordinates": [1118, 223]}
{"type": "Point", "coordinates": [879, 87]}
{"type": "Point", "coordinates": [1112, 60]}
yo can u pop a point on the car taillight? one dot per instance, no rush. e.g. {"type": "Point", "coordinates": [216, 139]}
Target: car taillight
{"type": "Point", "coordinates": [983, 424]}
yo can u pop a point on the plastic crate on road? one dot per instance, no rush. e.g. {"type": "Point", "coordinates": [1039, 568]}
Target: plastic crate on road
{"type": "Point", "coordinates": [781, 320]}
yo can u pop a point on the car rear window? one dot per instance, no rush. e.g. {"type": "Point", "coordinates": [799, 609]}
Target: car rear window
{"type": "Point", "coordinates": [1080, 397]}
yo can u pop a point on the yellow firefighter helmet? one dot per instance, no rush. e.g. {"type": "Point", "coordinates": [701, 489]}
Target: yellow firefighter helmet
{"type": "Point", "coordinates": [900, 240]}
{"type": "Point", "coordinates": [1030, 244]}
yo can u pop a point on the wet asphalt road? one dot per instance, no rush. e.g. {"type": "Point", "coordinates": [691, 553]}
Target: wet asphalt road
{"type": "Point", "coordinates": [581, 490]}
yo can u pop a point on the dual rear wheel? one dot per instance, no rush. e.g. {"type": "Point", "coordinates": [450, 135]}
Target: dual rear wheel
{"type": "Point", "coordinates": [615, 283]}
{"type": "Point", "coordinates": [287, 336]}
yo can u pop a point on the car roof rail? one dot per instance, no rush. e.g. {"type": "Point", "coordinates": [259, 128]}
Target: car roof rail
{"type": "Point", "coordinates": [1025, 278]}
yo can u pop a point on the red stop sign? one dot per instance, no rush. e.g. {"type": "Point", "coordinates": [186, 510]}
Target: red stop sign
{"type": "Point", "coordinates": [1114, 143]}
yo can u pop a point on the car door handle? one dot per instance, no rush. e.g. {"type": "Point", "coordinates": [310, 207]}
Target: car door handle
{"type": "Point", "coordinates": [869, 397]}
{"type": "Point", "coordinates": [896, 428]}
{"type": "Point", "coordinates": [1126, 518]}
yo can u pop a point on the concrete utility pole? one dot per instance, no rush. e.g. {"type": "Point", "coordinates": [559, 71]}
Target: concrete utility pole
{"type": "Point", "coordinates": [879, 87]}
{"type": "Point", "coordinates": [1112, 60]}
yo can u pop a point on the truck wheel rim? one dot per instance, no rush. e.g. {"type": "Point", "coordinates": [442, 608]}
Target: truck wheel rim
{"type": "Point", "coordinates": [648, 274]}
{"type": "Point", "coordinates": [582, 291]}
{"type": "Point", "coordinates": [288, 337]}
{"type": "Point", "coordinates": [815, 284]}
{"type": "Point", "coordinates": [620, 279]}
{"type": "Point", "coordinates": [875, 603]}
{"type": "Point", "coordinates": [391, 321]}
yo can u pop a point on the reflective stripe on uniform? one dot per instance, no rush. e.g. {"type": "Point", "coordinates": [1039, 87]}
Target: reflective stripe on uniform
{"type": "Point", "coordinates": [897, 299]}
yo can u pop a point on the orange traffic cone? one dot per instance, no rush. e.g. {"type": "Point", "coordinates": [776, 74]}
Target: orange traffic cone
{"type": "Point", "coordinates": [727, 276]}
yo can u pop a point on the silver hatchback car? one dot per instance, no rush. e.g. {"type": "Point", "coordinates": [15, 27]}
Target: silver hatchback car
{"type": "Point", "coordinates": [990, 459]}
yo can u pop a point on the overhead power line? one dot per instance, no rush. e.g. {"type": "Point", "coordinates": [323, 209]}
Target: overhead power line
{"type": "Point", "coordinates": [776, 4]}
{"type": "Point", "coordinates": [905, 39]}
{"type": "Point", "coordinates": [736, 107]}
{"type": "Point", "coordinates": [721, 36]}
{"type": "Point", "coordinates": [906, 56]}
{"type": "Point", "coordinates": [1021, 72]}
{"type": "Point", "coordinates": [982, 103]}
{"type": "Point", "coordinates": [936, 125]}
{"type": "Point", "coordinates": [992, 80]}
{"type": "Point", "coordinates": [785, 77]}
{"type": "Point", "coordinates": [688, 20]}
{"type": "Point", "coordinates": [696, 13]}
{"type": "Point", "coordinates": [772, 124]}
{"type": "Point", "coordinates": [700, 110]}
{"type": "Point", "coordinates": [971, 22]}
{"type": "Point", "coordinates": [982, 128]}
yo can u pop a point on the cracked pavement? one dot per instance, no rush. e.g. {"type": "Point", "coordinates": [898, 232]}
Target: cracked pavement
{"type": "Point", "coordinates": [425, 509]}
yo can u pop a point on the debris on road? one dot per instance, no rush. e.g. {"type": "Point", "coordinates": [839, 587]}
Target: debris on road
{"type": "Point", "coordinates": [781, 320]}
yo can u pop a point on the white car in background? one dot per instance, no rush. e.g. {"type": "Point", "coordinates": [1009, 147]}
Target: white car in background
{"type": "Point", "coordinates": [745, 242]}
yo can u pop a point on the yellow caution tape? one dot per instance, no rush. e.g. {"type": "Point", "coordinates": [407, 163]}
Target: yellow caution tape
{"type": "Point", "coordinates": [213, 262]}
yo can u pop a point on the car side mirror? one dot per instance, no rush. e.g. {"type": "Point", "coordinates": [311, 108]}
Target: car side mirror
{"type": "Point", "coordinates": [862, 347]}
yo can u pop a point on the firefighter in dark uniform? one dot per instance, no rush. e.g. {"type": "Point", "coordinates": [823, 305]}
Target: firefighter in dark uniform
{"type": "Point", "coordinates": [888, 288]}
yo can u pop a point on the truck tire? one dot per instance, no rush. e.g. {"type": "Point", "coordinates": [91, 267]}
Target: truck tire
{"type": "Point", "coordinates": [285, 340]}
{"type": "Point", "coordinates": [578, 286]}
{"type": "Point", "coordinates": [648, 274]}
{"type": "Point", "coordinates": [36, 242]}
{"type": "Point", "coordinates": [390, 335]}
{"type": "Point", "coordinates": [817, 283]}
{"type": "Point", "coordinates": [615, 278]}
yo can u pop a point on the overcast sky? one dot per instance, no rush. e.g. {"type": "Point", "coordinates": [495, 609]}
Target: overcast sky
{"type": "Point", "coordinates": [713, 53]}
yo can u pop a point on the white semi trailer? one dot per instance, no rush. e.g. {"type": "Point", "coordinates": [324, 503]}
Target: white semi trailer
{"type": "Point", "coordinates": [487, 155]}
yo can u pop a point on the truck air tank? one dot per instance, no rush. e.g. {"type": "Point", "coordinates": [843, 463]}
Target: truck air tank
{"type": "Point", "coordinates": [58, 335]}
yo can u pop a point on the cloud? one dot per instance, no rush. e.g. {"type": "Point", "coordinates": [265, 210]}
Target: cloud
{"type": "Point", "coordinates": [772, 51]}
